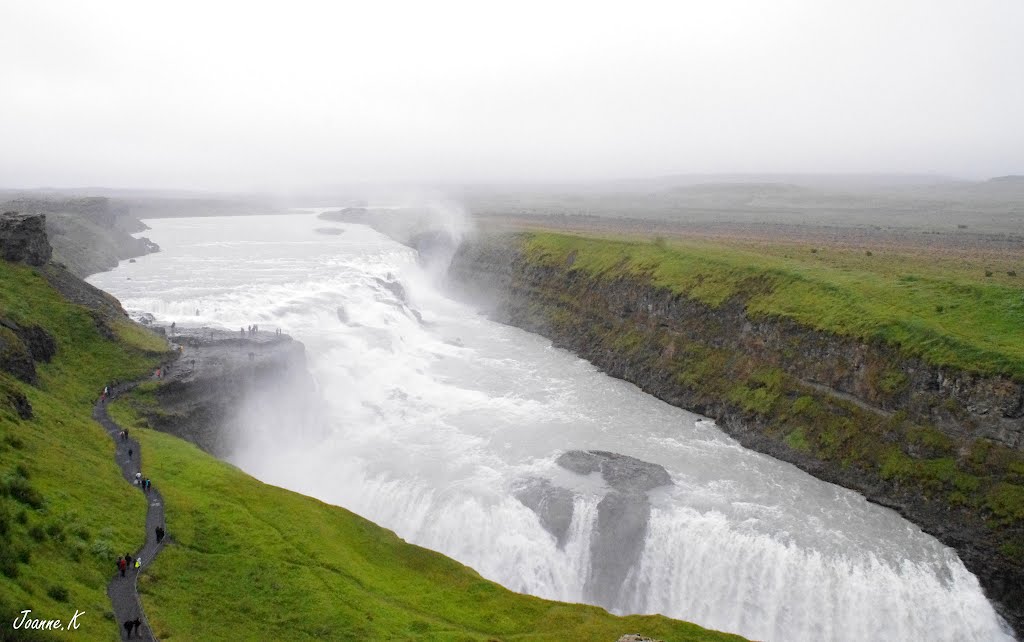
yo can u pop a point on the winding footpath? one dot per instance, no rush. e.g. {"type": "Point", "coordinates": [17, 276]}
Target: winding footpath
{"type": "Point", "coordinates": [123, 591]}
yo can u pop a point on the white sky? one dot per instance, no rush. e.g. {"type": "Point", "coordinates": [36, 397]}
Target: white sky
{"type": "Point", "coordinates": [226, 95]}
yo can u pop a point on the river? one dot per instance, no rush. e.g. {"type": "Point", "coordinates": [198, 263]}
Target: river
{"type": "Point", "coordinates": [437, 419]}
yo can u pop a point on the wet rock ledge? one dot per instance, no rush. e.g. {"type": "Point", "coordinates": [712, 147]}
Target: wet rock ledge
{"type": "Point", "coordinates": [215, 373]}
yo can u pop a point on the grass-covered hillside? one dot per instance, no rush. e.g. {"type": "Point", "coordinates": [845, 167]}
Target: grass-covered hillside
{"type": "Point", "coordinates": [950, 310]}
{"type": "Point", "coordinates": [248, 561]}
{"type": "Point", "coordinates": [65, 512]}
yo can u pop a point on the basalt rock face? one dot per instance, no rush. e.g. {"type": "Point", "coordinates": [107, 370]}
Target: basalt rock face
{"type": "Point", "coordinates": [21, 347]}
{"type": "Point", "coordinates": [219, 373]}
{"type": "Point", "coordinates": [23, 238]}
{"type": "Point", "coordinates": [622, 517]}
{"type": "Point", "coordinates": [940, 446]}
{"type": "Point", "coordinates": [617, 539]}
{"type": "Point", "coordinates": [89, 234]}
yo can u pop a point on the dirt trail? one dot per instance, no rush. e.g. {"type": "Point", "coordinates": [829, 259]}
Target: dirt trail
{"type": "Point", "coordinates": [123, 591]}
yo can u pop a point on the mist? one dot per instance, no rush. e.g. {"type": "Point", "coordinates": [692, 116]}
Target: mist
{"type": "Point", "coordinates": [249, 97]}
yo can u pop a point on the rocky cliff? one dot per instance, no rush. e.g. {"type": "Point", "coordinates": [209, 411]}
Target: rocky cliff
{"type": "Point", "coordinates": [88, 234]}
{"type": "Point", "coordinates": [941, 446]}
{"type": "Point", "coordinates": [201, 396]}
{"type": "Point", "coordinates": [23, 238]}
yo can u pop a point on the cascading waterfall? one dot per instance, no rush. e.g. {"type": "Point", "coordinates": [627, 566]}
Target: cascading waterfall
{"type": "Point", "coordinates": [451, 430]}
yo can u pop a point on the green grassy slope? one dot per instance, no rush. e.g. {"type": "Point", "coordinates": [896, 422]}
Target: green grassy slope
{"type": "Point", "coordinates": [945, 314]}
{"type": "Point", "coordinates": [65, 513]}
{"type": "Point", "coordinates": [263, 563]}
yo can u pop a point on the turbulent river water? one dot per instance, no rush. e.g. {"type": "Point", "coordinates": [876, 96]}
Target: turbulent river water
{"type": "Point", "coordinates": [435, 425]}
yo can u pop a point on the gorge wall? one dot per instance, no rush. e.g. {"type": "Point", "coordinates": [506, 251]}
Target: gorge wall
{"type": "Point", "coordinates": [200, 395]}
{"type": "Point", "coordinates": [941, 446]}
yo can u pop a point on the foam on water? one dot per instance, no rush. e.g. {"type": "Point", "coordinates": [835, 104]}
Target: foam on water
{"type": "Point", "coordinates": [434, 424]}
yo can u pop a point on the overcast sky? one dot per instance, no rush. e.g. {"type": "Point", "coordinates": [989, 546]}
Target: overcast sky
{"type": "Point", "coordinates": [224, 95]}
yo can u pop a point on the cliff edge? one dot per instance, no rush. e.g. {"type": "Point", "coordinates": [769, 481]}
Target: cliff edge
{"type": "Point", "coordinates": [941, 444]}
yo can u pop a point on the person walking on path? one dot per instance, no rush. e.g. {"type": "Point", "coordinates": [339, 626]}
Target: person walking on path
{"type": "Point", "coordinates": [127, 606]}
{"type": "Point", "coordinates": [159, 534]}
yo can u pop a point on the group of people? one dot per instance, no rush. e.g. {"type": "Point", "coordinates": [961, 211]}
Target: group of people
{"type": "Point", "coordinates": [126, 562]}
{"type": "Point", "coordinates": [130, 625]}
{"type": "Point", "coordinates": [254, 329]}
{"type": "Point", "coordinates": [108, 391]}
{"type": "Point", "coordinates": [142, 482]}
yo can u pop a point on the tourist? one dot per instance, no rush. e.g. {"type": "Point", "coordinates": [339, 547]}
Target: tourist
{"type": "Point", "coordinates": [136, 623]}
{"type": "Point", "coordinates": [128, 628]}
{"type": "Point", "coordinates": [122, 565]}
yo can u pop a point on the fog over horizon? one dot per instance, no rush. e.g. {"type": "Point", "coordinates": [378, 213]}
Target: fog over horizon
{"type": "Point", "coordinates": [263, 97]}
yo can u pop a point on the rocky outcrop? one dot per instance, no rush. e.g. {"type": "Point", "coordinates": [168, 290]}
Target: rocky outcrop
{"type": "Point", "coordinates": [200, 394]}
{"type": "Point", "coordinates": [941, 446]}
{"type": "Point", "coordinates": [21, 347]}
{"type": "Point", "coordinates": [88, 234]}
{"type": "Point", "coordinates": [23, 238]}
{"type": "Point", "coordinates": [617, 540]}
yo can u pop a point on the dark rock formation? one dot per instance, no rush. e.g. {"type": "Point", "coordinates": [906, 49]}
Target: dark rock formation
{"type": "Point", "coordinates": [622, 516]}
{"type": "Point", "coordinates": [15, 359]}
{"type": "Point", "coordinates": [23, 238]}
{"type": "Point", "coordinates": [21, 347]}
{"type": "Point", "coordinates": [553, 505]}
{"type": "Point", "coordinates": [624, 474]}
{"type": "Point", "coordinates": [19, 402]}
{"type": "Point", "coordinates": [617, 540]}
{"type": "Point", "coordinates": [394, 287]}
{"type": "Point", "coordinates": [883, 410]}
{"type": "Point", "coordinates": [219, 372]}
{"type": "Point", "coordinates": [88, 234]}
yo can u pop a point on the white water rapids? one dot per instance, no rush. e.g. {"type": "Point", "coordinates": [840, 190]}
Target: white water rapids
{"type": "Point", "coordinates": [432, 425]}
